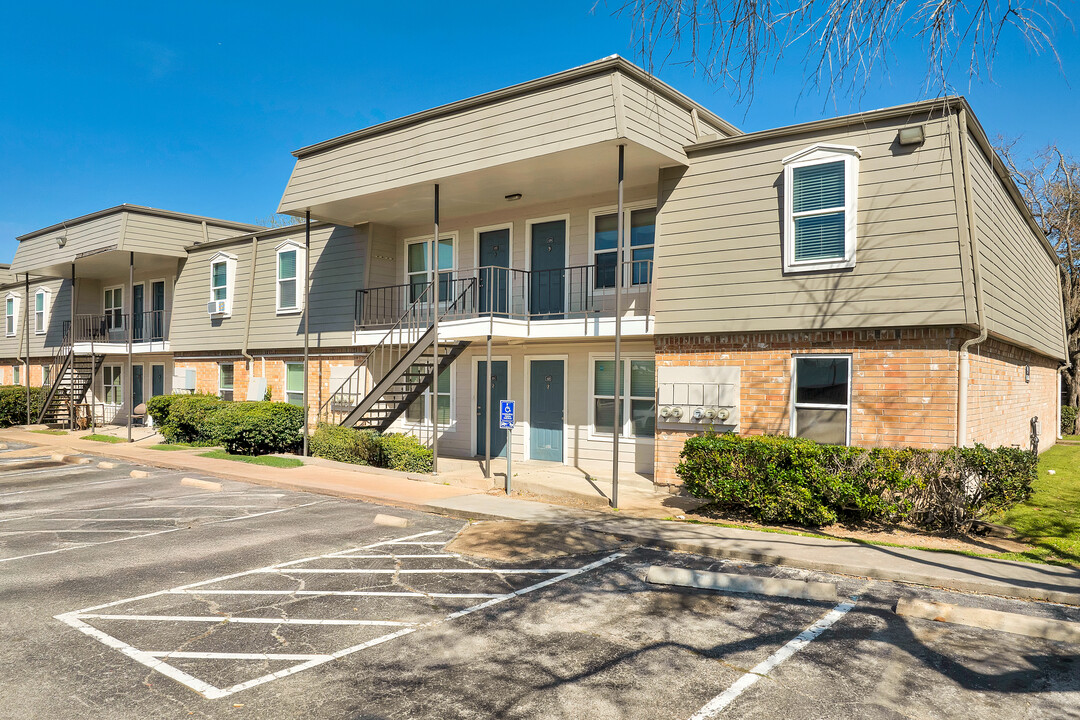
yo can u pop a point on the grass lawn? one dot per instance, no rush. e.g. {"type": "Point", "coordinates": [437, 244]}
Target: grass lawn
{"type": "Point", "coordinates": [173, 446]}
{"type": "Point", "coordinates": [268, 460]}
{"type": "Point", "coordinates": [103, 438]}
{"type": "Point", "coordinates": [1050, 520]}
{"type": "Point", "coordinates": [51, 432]}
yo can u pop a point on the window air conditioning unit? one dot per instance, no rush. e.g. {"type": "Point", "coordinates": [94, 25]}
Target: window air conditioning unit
{"type": "Point", "coordinates": [215, 307]}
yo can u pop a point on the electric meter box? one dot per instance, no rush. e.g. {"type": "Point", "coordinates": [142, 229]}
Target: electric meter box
{"type": "Point", "coordinates": [698, 397]}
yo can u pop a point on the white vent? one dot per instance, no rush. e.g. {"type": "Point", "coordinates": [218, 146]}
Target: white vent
{"type": "Point", "coordinates": [215, 307]}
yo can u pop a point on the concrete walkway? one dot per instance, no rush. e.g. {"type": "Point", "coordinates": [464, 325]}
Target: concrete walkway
{"type": "Point", "coordinates": [639, 526]}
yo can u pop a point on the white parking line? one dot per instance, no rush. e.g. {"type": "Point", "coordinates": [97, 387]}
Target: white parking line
{"type": "Point", "coordinates": [60, 532]}
{"type": "Point", "coordinates": [271, 512]}
{"type": "Point", "coordinates": [718, 703]}
{"type": "Point", "coordinates": [156, 659]}
{"type": "Point", "coordinates": [398, 557]}
{"type": "Point", "coordinates": [86, 545]}
{"type": "Point", "coordinates": [77, 468]}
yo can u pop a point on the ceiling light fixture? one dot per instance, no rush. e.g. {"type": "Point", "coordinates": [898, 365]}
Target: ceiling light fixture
{"type": "Point", "coordinates": [513, 196]}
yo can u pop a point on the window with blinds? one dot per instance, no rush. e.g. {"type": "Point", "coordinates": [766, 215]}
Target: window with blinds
{"type": "Point", "coordinates": [821, 184]}
{"type": "Point", "coordinates": [290, 259]}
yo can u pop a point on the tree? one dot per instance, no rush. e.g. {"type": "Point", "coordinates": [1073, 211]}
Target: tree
{"type": "Point", "coordinates": [1050, 182]}
{"type": "Point", "coordinates": [277, 220]}
{"type": "Point", "coordinates": [844, 42]}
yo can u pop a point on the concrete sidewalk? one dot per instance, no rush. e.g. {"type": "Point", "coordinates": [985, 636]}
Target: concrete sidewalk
{"type": "Point", "coordinates": [937, 569]}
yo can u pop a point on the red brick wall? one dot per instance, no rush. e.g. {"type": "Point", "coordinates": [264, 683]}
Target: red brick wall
{"type": "Point", "coordinates": [1001, 402]}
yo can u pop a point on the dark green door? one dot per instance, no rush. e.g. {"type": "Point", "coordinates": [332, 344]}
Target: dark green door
{"type": "Point", "coordinates": [498, 392]}
{"type": "Point", "coordinates": [157, 319]}
{"type": "Point", "coordinates": [136, 386]}
{"type": "Point", "coordinates": [494, 275]}
{"type": "Point", "coordinates": [548, 270]}
{"type": "Point", "coordinates": [138, 305]}
{"type": "Point", "coordinates": [546, 410]}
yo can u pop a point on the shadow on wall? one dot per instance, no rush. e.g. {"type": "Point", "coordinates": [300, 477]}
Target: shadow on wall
{"type": "Point", "coordinates": [335, 277]}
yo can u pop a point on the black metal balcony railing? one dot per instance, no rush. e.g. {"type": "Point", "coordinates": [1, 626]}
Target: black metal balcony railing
{"type": "Point", "coordinates": [583, 291]}
{"type": "Point", "coordinates": [113, 326]}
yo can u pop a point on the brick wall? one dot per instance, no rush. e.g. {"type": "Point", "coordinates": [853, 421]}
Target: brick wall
{"type": "Point", "coordinates": [903, 389]}
{"type": "Point", "coordinates": [1001, 402]}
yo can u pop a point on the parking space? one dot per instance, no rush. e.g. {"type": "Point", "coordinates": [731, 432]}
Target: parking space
{"type": "Point", "coordinates": [252, 602]}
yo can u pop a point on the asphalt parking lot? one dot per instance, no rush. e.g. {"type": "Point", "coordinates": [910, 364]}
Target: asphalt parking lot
{"type": "Point", "coordinates": [126, 597]}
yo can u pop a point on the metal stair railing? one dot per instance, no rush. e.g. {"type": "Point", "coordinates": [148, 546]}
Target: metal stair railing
{"type": "Point", "coordinates": [62, 361]}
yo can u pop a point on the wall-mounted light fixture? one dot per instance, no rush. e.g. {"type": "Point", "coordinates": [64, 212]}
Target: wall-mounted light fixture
{"type": "Point", "coordinates": [1027, 373]}
{"type": "Point", "coordinates": [513, 196]}
{"type": "Point", "coordinates": [913, 135]}
{"type": "Point", "coordinates": [61, 241]}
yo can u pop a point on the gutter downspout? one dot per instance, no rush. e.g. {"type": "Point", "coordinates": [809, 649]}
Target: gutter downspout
{"type": "Point", "coordinates": [247, 314]}
{"type": "Point", "coordinates": [965, 363]}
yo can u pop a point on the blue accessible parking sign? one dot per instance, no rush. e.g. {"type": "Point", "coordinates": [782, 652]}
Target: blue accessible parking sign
{"type": "Point", "coordinates": [506, 414]}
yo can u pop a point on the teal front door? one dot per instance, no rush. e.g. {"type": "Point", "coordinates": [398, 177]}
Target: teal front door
{"type": "Point", "coordinates": [498, 391]}
{"type": "Point", "coordinates": [548, 270]}
{"type": "Point", "coordinates": [546, 410]}
{"type": "Point", "coordinates": [494, 271]}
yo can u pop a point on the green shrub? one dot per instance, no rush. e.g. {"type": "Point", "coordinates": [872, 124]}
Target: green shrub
{"type": "Point", "coordinates": [364, 447]}
{"type": "Point", "coordinates": [158, 407]}
{"type": "Point", "coordinates": [13, 404]}
{"type": "Point", "coordinates": [188, 419]}
{"type": "Point", "coordinates": [256, 427]}
{"type": "Point", "coordinates": [1068, 420]}
{"type": "Point", "coordinates": [793, 480]}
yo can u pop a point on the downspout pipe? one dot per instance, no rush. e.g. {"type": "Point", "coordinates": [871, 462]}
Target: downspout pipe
{"type": "Point", "coordinates": [964, 359]}
{"type": "Point", "coordinates": [247, 314]}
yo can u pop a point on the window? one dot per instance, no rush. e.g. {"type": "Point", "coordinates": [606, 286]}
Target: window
{"type": "Point", "coordinates": [110, 375]}
{"type": "Point", "coordinates": [225, 381]}
{"type": "Point", "coordinates": [821, 398]}
{"type": "Point", "coordinates": [290, 259]}
{"type": "Point", "coordinates": [114, 308]}
{"type": "Point", "coordinates": [222, 282]}
{"type": "Point", "coordinates": [638, 409]}
{"type": "Point", "coordinates": [11, 311]}
{"type": "Point", "coordinates": [41, 311]}
{"type": "Point", "coordinates": [46, 375]}
{"type": "Point", "coordinates": [418, 411]}
{"type": "Point", "coordinates": [418, 269]}
{"type": "Point", "coordinates": [219, 280]}
{"type": "Point", "coordinates": [16, 373]}
{"type": "Point", "coordinates": [638, 256]}
{"type": "Point", "coordinates": [820, 194]}
{"type": "Point", "coordinates": [294, 383]}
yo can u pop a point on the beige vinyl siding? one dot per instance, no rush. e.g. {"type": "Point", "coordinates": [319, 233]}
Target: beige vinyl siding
{"type": "Point", "coordinates": [159, 235]}
{"type": "Point", "coordinates": [338, 256]}
{"type": "Point", "coordinates": [719, 266]}
{"type": "Point", "coordinates": [655, 119]}
{"type": "Point", "coordinates": [557, 118]}
{"type": "Point", "coordinates": [100, 234]}
{"type": "Point", "coordinates": [59, 312]}
{"type": "Point", "coordinates": [593, 454]}
{"type": "Point", "coordinates": [1022, 296]}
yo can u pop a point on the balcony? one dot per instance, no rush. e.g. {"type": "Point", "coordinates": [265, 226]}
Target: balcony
{"type": "Point", "coordinates": [576, 298]}
{"type": "Point", "coordinates": [111, 329]}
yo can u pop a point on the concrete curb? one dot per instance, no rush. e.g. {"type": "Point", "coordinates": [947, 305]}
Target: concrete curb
{"type": "Point", "coordinates": [202, 484]}
{"type": "Point", "coordinates": [704, 580]}
{"type": "Point", "coordinates": [1045, 628]}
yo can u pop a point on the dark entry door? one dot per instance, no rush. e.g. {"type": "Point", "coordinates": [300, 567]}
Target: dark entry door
{"type": "Point", "coordinates": [138, 304]}
{"type": "Point", "coordinates": [494, 275]}
{"type": "Point", "coordinates": [546, 410]}
{"type": "Point", "coordinates": [157, 304]}
{"type": "Point", "coordinates": [548, 286]}
{"type": "Point", "coordinates": [157, 380]}
{"type": "Point", "coordinates": [498, 391]}
{"type": "Point", "coordinates": [136, 386]}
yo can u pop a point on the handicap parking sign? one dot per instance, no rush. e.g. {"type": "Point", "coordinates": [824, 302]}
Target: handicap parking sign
{"type": "Point", "coordinates": [506, 414]}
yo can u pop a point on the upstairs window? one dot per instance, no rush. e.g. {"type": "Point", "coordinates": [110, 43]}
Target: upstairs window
{"type": "Point", "coordinates": [820, 194]}
{"type": "Point", "coordinates": [222, 282]}
{"type": "Point", "coordinates": [41, 311]}
{"type": "Point", "coordinates": [418, 267]}
{"type": "Point", "coordinates": [637, 254]}
{"type": "Point", "coordinates": [290, 259]}
{"type": "Point", "coordinates": [11, 311]}
{"type": "Point", "coordinates": [114, 308]}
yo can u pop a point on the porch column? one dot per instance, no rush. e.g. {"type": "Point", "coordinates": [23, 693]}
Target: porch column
{"type": "Point", "coordinates": [131, 321]}
{"type": "Point", "coordinates": [26, 333]}
{"type": "Point", "coordinates": [487, 412]}
{"type": "Point", "coordinates": [307, 315]}
{"type": "Point", "coordinates": [617, 424]}
{"type": "Point", "coordinates": [434, 404]}
{"type": "Point", "coordinates": [71, 329]}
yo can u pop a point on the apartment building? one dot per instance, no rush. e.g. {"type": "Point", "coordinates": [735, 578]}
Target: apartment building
{"type": "Point", "coordinates": [872, 279]}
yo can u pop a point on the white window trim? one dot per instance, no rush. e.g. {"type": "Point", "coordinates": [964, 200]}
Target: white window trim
{"type": "Point", "coordinates": [14, 314]}
{"type": "Point", "coordinates": [104, 387]}
{"type": "Point", "coordinates": [285, 385]}
{"type": "Point", "coordinates": [819, 155]}
{"type": "Point", "coordinates": [230, 281]}
{"type": "Point", "coordinates": [611, 210]}
{"type": "Point", "coordinates": [792, 386]}
{"type": "Point", "coordinates": [106, 310]}
{"type": "Point", "coordinates": [301, 263]}
{"type": "Point", "coordinates": [455, 247]}
{"type": "Point", "coordinates": [220, 388]}
{"type": "Point", "coordinates": [624, 403]}
{"type": "Point", "coordinates": [427, 422]}
{"type": "Point", "coordinates": [46, 306]}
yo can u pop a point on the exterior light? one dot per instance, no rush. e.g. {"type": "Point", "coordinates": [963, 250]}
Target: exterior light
{"type": "Point", "coordinates": [912, 135]}
{"type": "Point", "coordinates": [513, 196]}
{"type": "Point", "coordinates": [61, 241]}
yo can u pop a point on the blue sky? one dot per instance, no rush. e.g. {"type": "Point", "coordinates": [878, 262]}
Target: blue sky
{"type": "Point", "coordinates": [195, 107]}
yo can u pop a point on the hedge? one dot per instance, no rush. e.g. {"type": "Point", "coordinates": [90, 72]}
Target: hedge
{"type": "Point", "coordinates": [244, 428]}
{"type": "Point", "coordinates": [13, 404]}
{"type": "Point", "coordinates": [365, 447]}
{"type": "Point", "coordinates": [793, 480]}
{"type": "Point", "coordinates": [1068, 420]}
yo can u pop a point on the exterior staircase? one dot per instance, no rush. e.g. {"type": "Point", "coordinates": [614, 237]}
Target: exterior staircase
{"type": "Point", "coordinates": [397, 371]}
{"type": "Point", "coordinates": [72, 377]}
